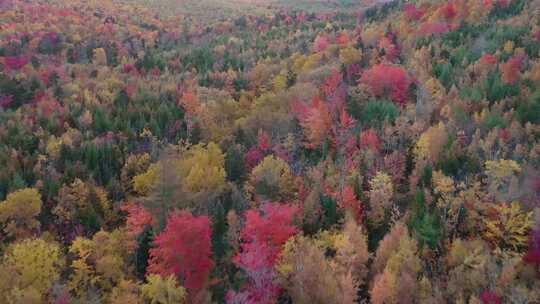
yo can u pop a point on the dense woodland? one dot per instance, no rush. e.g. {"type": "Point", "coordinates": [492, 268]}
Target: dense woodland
{"type": "Point", "coordinates": [381, 154]}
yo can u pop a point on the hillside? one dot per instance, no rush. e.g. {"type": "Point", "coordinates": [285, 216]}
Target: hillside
{"type": "Point", "coordinates": [269, 151]}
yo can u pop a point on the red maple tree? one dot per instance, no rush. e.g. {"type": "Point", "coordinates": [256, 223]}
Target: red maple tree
{"type": "Point", "coordinates": [388, 81]}
{"type": "Point", "coordinates": [263, 237]}
{"type": "Point", "coordinates": [184, 249]}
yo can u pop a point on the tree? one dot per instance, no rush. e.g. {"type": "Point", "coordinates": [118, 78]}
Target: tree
{"type": "Point", "coordinates": [183, 249]}
{"type": "Point", "coordinates": [100, 57]}
{"type": "Point", "coordinates": [388, 81]}
{"type": "Point", "coordinates": [202, 168]}
{"type": "Point", "coordinates": [29, 267]}
{"type": "Point", "coordinates": [310, 277]}
{"type": "Point", "coordinates": [350, 203]}
{"type": "Point", "coordinates": [272, 179]}
{"type": "Point", "coordinates": [532, 256]}
{"type": "Point", "coordinates": [350, 55]}
{"type": "Point", "coordinates": [163, 291]}
{"type": "Point", "coordinates": [352, 252]}
{"type": "Point", "coordinates": [263, 237]}
{"type": "Point", "coordinates": [84, 203]}
{"type": "Point", "coordinates": [510, 70]}
{"type": "Point", "coordinates": [135, 164]}
{"type": "Point", "coordinates": [100, 263]}
{"type": "Point", "coordinates": [138, 218]}
{"type": "Point", "coordinates": [502, 174]}
{"type": "Point", "coordinates": [19, 211]}
{"type": "Point", "coordinates": [320, 44]}
{"type": "Point", "coordinates": [190, 102]}
{"type": "Point", "coordinates": [369, 140]}
{"type": "Point", "coordinates": [471, 267]}
{"type": "Point", "coordinates": [397, 283]}
{"type": "Point", "coordinates": [431, 143]}
{"type": "Point", "coordinates": [143, 183]}
{"type": "Point", "coordinates": [388, 48]}
{"type": "Point", "coordinates": [126, 292]}
{"type": "Point", "coordinates": [507, 226]}
{"type": "Point", "coordinates": [315, 120]}
{"type": "Point", "coordinates": [388, 246]}
{"type": "Point", "coordinates": [380, 197]}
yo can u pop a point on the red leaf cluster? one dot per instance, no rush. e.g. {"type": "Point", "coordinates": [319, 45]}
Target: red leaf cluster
{"type": "Point", "coordinates": [388, 81]}
{"type": "Point", "coordinates": [263, 237]}
{"type": "Point", "coordinates": [137, 219]}
{"type": "Point", "coordinates": [349, 201]}
{"type": "Point", "coordinates": [320, 44]}
{"type": "Point", "coordinates": [184, 249]}
{"type": "Point", "coordinates": [413, 12]}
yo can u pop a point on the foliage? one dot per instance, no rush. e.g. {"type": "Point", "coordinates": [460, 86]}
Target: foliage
{"type": "Point", "coordinates": [508, 226]}
{"type": "Point", "coordinates": [272, 179]}
{"type": "Point", "coordinates": [380, 197]}
{"type": "Point", "coordinates": [163, 291]}
{"type": "Point", "coordinates": [32, 266]}
{"type": "Point", "coordinates": [203, 168]}
{"type": "Point", "coordinates": [388, 81]}
{"type": "Point", "coordinates": [269, 151]}
{"type": "Point", "coordinates": [19, 211]}
{"type": "Point", "coordinates": [262, 239]}
{"type": "Point", "coordinates": [183, 250]}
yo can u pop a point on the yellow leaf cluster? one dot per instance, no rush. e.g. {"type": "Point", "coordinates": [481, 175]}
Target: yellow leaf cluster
{"type": "Point", "coordinates": [431, 143]}
{"type": "Point", "coordinates": [18, 212]}
{"type": "Point", "coordinates": [100, 262]}
{"type": "Point", "coordinates": [163, 291]}
{"type": "Point", "coordinates": [500, 169]}
{"type": "Point", "coordinates": [509, 227]}
{"type": "Point", "coordinates": [280, 82]}
{"type": "Point", "coordinates": [143, 183]}
{"type": "Point", "coordinates": [32, 266]}
{"type": "Point", "coordinates": [203, 168]}
{"type": "Point", "coordinates": [350, 55]}
{"type": "Point", "coordinates": [100, 57]}
{"type": "Point", "coordinates": [272, 179]}
{"type": "Point", "coordinates": [380, 196]}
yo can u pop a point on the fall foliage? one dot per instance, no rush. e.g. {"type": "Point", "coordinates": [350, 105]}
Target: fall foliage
{"type": "Point", "coordinates": [269, 151]}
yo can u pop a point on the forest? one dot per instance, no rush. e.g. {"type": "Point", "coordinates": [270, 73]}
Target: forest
{"type": "Point", "coordinates": [269, 151]}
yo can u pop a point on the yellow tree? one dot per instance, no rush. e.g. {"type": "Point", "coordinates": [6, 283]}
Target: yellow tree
{"type": "Point", "coordinates": [272, 179]}
{"type": "Point", "coordinates": [502, 174]}
{"type": "Point", "coordinates": [202, 168]}
{"type": "Point", "coordinates": [350, 55]}
{"type": "Point", "coordinates": [100, 57]}
{"type": "Point", "coordinates": [18, 212]}
{"type": "Point", "coordinates": [80, 200]}
{"type": "Point", "coordinates": [135, 164]}
{"type": "Point", "coordinates": [29, 269]}
{"type": "Point", "coordinates": [380, 197]}
{"type": "Point", "coordinates": [471, 266]}
{"type": "Point", "coordinates": [143, 183]}
{"type": "Point", "coordinates": [100, 263]}
{"type": "Point", "coordinates": [508, 226]}
{"type": "Point", "coordinates": [163, 291]}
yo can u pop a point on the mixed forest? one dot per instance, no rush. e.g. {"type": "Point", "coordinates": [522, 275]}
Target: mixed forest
{"type": "Point", "coordinates": [362, 152]}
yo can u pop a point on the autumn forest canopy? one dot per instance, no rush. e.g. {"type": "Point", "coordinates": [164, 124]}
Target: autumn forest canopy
{"type": "Point", "coordinates": [269, 151]}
